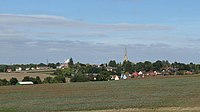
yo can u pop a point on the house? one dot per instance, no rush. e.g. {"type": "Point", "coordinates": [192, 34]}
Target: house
{"type": "Point", "coordinates": [42, 68]}
{"type": "Point", "coordinates": [25, 83]}
{"type": "Point", "coordinates": [115, 77]}
{"type": "Point", "coordinates": [123, 76]}
{"type": "Point", "coordinates": [27, 69]}
{"type": "Point", "coordinates": [151, 73]}
{"type": "Point", "coordinates": [111, 69]}
{"type": "Point", "coordinates": [19, 69]}
{"type": "Point", "coordinates": [140, 74]}
{"type": "Point", "coordinates": [135, 74]}
{"type": "Point", "coordinates": [188, 73]}
{"type": "Point", "coordinates": [64, 65]}
{"type": "Point", "coordinates": [9, 70]}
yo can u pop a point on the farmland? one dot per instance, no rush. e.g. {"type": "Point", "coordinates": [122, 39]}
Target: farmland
{"type": "Point", "coordinates": [20, 75]}
{"type": "Point", "coordinates": [151, 94]}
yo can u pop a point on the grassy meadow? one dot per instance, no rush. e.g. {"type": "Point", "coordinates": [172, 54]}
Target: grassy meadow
{"type": "Point", "coordinates": [151, 94]}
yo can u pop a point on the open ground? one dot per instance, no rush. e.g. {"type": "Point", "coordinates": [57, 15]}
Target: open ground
{"type": "Point", "coordinates": [139, 95]}
{"type": "Point", "coordinates": [20, 75]}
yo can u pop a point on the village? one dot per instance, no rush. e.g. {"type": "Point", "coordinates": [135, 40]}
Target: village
{"type": "Point", "coordinates": [112, 70]}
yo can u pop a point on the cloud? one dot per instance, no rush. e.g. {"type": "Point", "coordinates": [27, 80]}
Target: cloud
{"type": "Point", "coordinates": [36, 51]}
{"type": "Point", "coordinates": [48, 27]}
{"type": "Point", "coordinates": [194, 40]}
{"type": "Point", "coordinates": [48, 21]}
{"type": "Point", "coordinates": [160, 45]}
{"type": "Point", "coordinates": [34, 38]}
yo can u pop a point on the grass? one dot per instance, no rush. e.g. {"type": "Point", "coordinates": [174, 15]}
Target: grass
{"type": "Point", "coordinates": [151, 93]}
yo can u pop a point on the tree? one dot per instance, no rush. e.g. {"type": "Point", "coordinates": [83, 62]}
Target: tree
{"type": "Point", "coordinates": [26, 78]}
{"type": "Point", "coordinates": [3, 68]}
{"type": "Point", "coordinates": [71, 63]}
{"type": "Point", "coordinates": [119, 70]}
{"type": "Point", "coordinates": [34, 80]}
{"type": "Point", "coordinates": [42, 64]}
{"type": "Point", "coordinates": [112, 63]}
{"type": "Point", "coordinates": [104, 76]}
{"type": "Point", "coordinates": [79, 78]}
{"type": "Point", "coordinates": [127, 65]}
{"type": "Point", "coordinates": [38, 80]}
{"type": "Point", "coordinates": [48, 80]}
{"type": "Point", "coordinates": [64, 72]}
{"type": "Point", "coordinates": [147, 66]}
{"type": "Point", "coordinates": [60, 79]}
{"type": "Point", "coordinates": [13, 81]}
{"type": "Point", "coordinates": [4, 82]}
{"type": "Point", "coordinates": [157, 65]}
{"type": "Point", "coordinates": [92, 69]}
{"type": "Point", "coordinates": [139, 66]}
{"type": "Point", "coordinates": [52, 65]}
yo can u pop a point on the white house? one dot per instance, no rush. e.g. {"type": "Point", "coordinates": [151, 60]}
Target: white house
{"type": "Point", "coordinates": [27, 69]}
{"type": "Point", "coordinates": [64, 65]}
{"type": "Point", "coordinates": [123, 76]}
{"type": "Point", "coordinates": [19, 69]}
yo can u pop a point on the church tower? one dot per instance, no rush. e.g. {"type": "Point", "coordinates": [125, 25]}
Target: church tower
{"type": "Point", "coordinates": [125, 56]}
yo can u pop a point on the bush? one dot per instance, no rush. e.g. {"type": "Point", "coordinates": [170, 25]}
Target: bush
{"type": "Point", "coordinates": [60, 79]}
{"type": "Point", "coordinates": [79, 78]}
{"type": "Point", "coordinates": [64, 72]}
{"type": "Point", "coordinates": [49, 80]}
{"type": "Point", "coordinates": [4, 82]}
{"type": "Point", "coordinates": [13, 81]}
{"type": "Point", "coordinates": [36, 80]}
{"type": "Point", "coordinates": [105, 76]}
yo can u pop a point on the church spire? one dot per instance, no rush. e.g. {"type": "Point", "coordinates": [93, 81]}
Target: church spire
{"type": "Point", "coordinates": [125, 56]}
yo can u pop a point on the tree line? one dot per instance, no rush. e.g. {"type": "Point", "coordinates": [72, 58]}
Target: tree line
{"type": "Point", "coordinates": [3, 68]}
{"type": "Point", "coordinates": [37, 80]}
{"type": "Point", "coordinates": [80, 72]}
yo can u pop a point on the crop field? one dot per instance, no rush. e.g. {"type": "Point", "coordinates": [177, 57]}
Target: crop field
{"type": "Point", "coordinates": [21, 75]}
{"type": "Point", "coordinates": [140, 95]}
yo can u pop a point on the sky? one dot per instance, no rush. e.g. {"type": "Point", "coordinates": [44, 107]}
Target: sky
{"type": "Point", "coordinates": [97, 31]}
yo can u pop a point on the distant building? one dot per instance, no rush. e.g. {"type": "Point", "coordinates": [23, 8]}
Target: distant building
{"type": "Point", "coordinates": [126, 55]}
{"type": "Point", "coordinates": [42, 68]}
{"type": "Point", "coordinates": [64, 65]}
{"type": "Point", "coordinates": [9, 70]}
{"type": "Point", "coordinates": [27, 69]}
{"type": "Point", "coordinates": [111, 69]}
{"type": "Point", "coordinates": [19, 69]}
{"type": "Point", "coordinates": [25, 83]}
{"type": "Point", "coordinates": [123, 76]}
{"type": "Point", "coordinates": [115, 77]}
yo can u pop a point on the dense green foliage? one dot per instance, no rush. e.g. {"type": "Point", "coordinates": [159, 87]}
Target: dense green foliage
{"type": "Point", "coordinates": [13, 81]}
{"type": "Point", "coordinates": [57, 79]}
{"type": "Point", "coordinates": [60, 79]}
{"type": "Point", "coordinates": [36, 80]}
{"type": "Point", "coordinates": [112, 63]}
{"type": "Point", "coordinates": [49, 80]}
{"type": "Point", "coordinates": [64, 72]}
{"type": "Point", "coordinates": [79, 78]}
{"type": "Point", "coordinates": [4, 82]}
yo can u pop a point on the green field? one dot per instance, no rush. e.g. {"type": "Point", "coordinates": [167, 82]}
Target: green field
{"type": "Point", "coordinates": [151, 94]}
